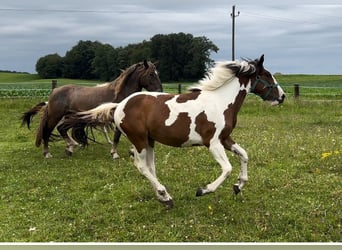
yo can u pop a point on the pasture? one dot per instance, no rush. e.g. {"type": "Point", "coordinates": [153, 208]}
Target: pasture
{"type": "Point", "coordinates": [294, 193]}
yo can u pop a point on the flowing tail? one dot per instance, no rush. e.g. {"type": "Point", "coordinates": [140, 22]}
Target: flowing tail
{"type": "Point", "coordinates": [27, 116]}
{"type": "Point", "coordinates": [99, 116]}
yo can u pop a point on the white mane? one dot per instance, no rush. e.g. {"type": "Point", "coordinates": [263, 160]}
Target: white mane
{"type": "Point", "coordinates": [222, 73]}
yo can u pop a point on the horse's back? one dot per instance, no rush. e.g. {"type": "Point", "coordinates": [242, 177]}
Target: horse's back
{"type": "Point", "coordinates": [73, 97]}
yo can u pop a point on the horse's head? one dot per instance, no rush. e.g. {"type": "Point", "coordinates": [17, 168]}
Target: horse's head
{"type": "Point", "coordinates": [265, 85]}
{"type": "Point", "coordinates": [149, 78]}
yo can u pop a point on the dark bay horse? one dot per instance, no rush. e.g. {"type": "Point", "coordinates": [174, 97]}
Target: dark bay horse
{"type": "Point", "coordinates": [72, 98]}
{"type": "Point", "coordinates": [205, 116]}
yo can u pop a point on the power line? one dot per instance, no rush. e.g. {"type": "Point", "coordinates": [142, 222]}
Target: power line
{"type": "Point", "coordinates": [281, 19]}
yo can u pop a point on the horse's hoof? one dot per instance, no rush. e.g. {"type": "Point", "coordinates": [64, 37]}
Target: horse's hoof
{"type": "Point", "coordinates": [199, 192]}
{"type": "Point", "coordinates": [236, 189]}
{"type": "Point", "coordinates": [68, 153]}
{"type": "Point", "coordinates": [131, 153]}
{"type": "Point", "coordinates": [47, 155]}
{"type": "Point", "coordinates": [115, 156]}
{"type": "Point", "coordinates": [168, 203]}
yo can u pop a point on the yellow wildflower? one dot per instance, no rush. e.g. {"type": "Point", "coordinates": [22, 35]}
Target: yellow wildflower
{"type": "Point", "coordinates": [326, 154]}
{"type": "Point", "coordinates": [211, 211]}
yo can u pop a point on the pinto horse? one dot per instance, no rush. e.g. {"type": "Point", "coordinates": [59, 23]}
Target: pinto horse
{"type": "Point", "coordinates": [205, 116]}
{"type": "Point", "coordinates": [73, 98]}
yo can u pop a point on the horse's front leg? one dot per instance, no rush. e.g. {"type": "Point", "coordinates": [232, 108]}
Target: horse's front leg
{"type": "Point", "coordinates": [243, 177]}
{"type": "Point", "coordinates": [70, 143]}
{"type": "Point", "coordinates": [220, 156]}
{"type": "Point", "coordinates": [229, 144]}
{"type": "Point", "coordinates": [116, 139]}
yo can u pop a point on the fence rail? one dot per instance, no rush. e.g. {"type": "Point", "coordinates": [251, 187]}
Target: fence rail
{"type": "Point", "coordinates": [294, 90]}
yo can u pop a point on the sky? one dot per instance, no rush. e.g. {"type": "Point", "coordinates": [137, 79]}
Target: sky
{"type": "Point", "coordinates": [295, 38]}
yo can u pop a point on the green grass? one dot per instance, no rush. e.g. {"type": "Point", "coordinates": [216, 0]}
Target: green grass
{"type": "Point", "coordinates": [293, 194]}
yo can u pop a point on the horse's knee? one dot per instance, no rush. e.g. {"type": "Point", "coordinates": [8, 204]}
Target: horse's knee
{"type": "Point", "coordinates": [235, 148]}
{"type": "Point", "coordinates": [62, 131]}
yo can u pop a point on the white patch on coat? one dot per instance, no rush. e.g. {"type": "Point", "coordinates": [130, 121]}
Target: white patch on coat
{"type": "Point", "coordinates": [210, 103]}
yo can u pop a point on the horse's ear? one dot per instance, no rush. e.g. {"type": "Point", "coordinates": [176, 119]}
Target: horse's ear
{"type": "Point", "coordinates": [156, 63]}
{"type": "Point", "coordinates": [261, 61]}
{"type": "Point", "coordinates": [146, 64]}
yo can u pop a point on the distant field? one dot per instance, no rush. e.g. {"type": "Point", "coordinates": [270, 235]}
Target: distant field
{"type": "Point", "coordinates": [17, 77]}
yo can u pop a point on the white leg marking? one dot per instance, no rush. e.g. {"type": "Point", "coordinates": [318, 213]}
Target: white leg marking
{"type": "Point", "coordinates": [220, 156]}
{"type": "Point", "coordinates": [114, 153]}
{"type": "Point", "coordinates": [150, 161]}
{"type": "Point", "coordinates": [141, 162]}
{"type": "Point", "coordinates": [70, 144]}
{"type": "Point", "coordinates": [243, 177]}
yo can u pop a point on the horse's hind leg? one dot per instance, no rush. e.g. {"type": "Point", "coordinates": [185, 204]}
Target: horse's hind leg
{"type": "Point", "coordinates": [143, 163]}
{"type": "Point", "coordinates": [70, 143]}
{"type": "Point", "coordinates": [116, 140]}
{"type": "Point", "coordinates": [46, 126]}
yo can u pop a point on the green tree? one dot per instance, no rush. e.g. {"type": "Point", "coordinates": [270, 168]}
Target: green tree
{"type": "Point", "coordinates": [182, 56]}
{"type": "Point", "coordinates": [199, 60]}
{"type": "Point", "coordinates": [105, 63]}
{"type": "Point", "coordinates": [49, 66]}
{"type": "Point", "coordinates": [78, 60]}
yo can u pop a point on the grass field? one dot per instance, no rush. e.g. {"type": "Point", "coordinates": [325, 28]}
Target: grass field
{"type": "Point", "coordinates": [294, 192]}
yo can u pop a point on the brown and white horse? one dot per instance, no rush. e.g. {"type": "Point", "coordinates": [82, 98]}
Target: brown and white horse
{"type": "Point", "coordinates": [73, 98]}
{"type": "Point", "coordinates": [204, 116]}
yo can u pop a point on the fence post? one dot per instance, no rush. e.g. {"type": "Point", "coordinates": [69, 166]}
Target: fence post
{"type": "Point", "coordinates": [53, 84]}
{"type": "Point", "coordinates": [179, 88]}
{"type": "Point", "coordinates": [296, 90]}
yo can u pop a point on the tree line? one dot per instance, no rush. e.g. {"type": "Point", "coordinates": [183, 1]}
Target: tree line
{"type": "Point", "coordinates": [180, 57]}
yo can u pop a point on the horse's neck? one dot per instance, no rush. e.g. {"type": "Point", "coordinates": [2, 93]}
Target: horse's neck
{"type": "Point", "coordinates": [233, 95]}
{"type": "Point", "coordinates": [230, 93]}
{"type": "Point", "coordinates": [130, 86]}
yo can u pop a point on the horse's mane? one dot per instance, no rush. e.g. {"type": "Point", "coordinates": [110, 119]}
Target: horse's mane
{"type": "Point", "coordinates": [121, 80]}
{"type": "Point", "coordinates": [224, 72]}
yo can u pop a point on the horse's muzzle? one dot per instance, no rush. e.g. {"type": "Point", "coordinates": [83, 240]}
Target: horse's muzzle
{"type": "Point", "coordinates": [280, 100]}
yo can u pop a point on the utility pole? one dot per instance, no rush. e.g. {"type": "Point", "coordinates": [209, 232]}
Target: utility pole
{"type": "Point", "coordinates": [233, 31]}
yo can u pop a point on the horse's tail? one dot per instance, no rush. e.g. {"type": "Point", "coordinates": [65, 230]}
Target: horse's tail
{"type": "Point", "coordinates": [42, 129]}
{"type": "Point", "coordinates": [99, 116]}
{"type": "Point", "coordinates": [103, 114]}
{"type": "Point", "coordinates": [27, 116]}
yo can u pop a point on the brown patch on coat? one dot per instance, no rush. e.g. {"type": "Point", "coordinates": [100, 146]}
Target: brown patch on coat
{"type": "Point", "coordinates": [188, 96]}
{"type": "Point", "coordinates": [147, 123]}
{"type": "Point", "coordinates": [244, 80]}
{"type": "Point", "coordinates": [230, 116]}
{"type": "Point", "coordinates": [205, 128]}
